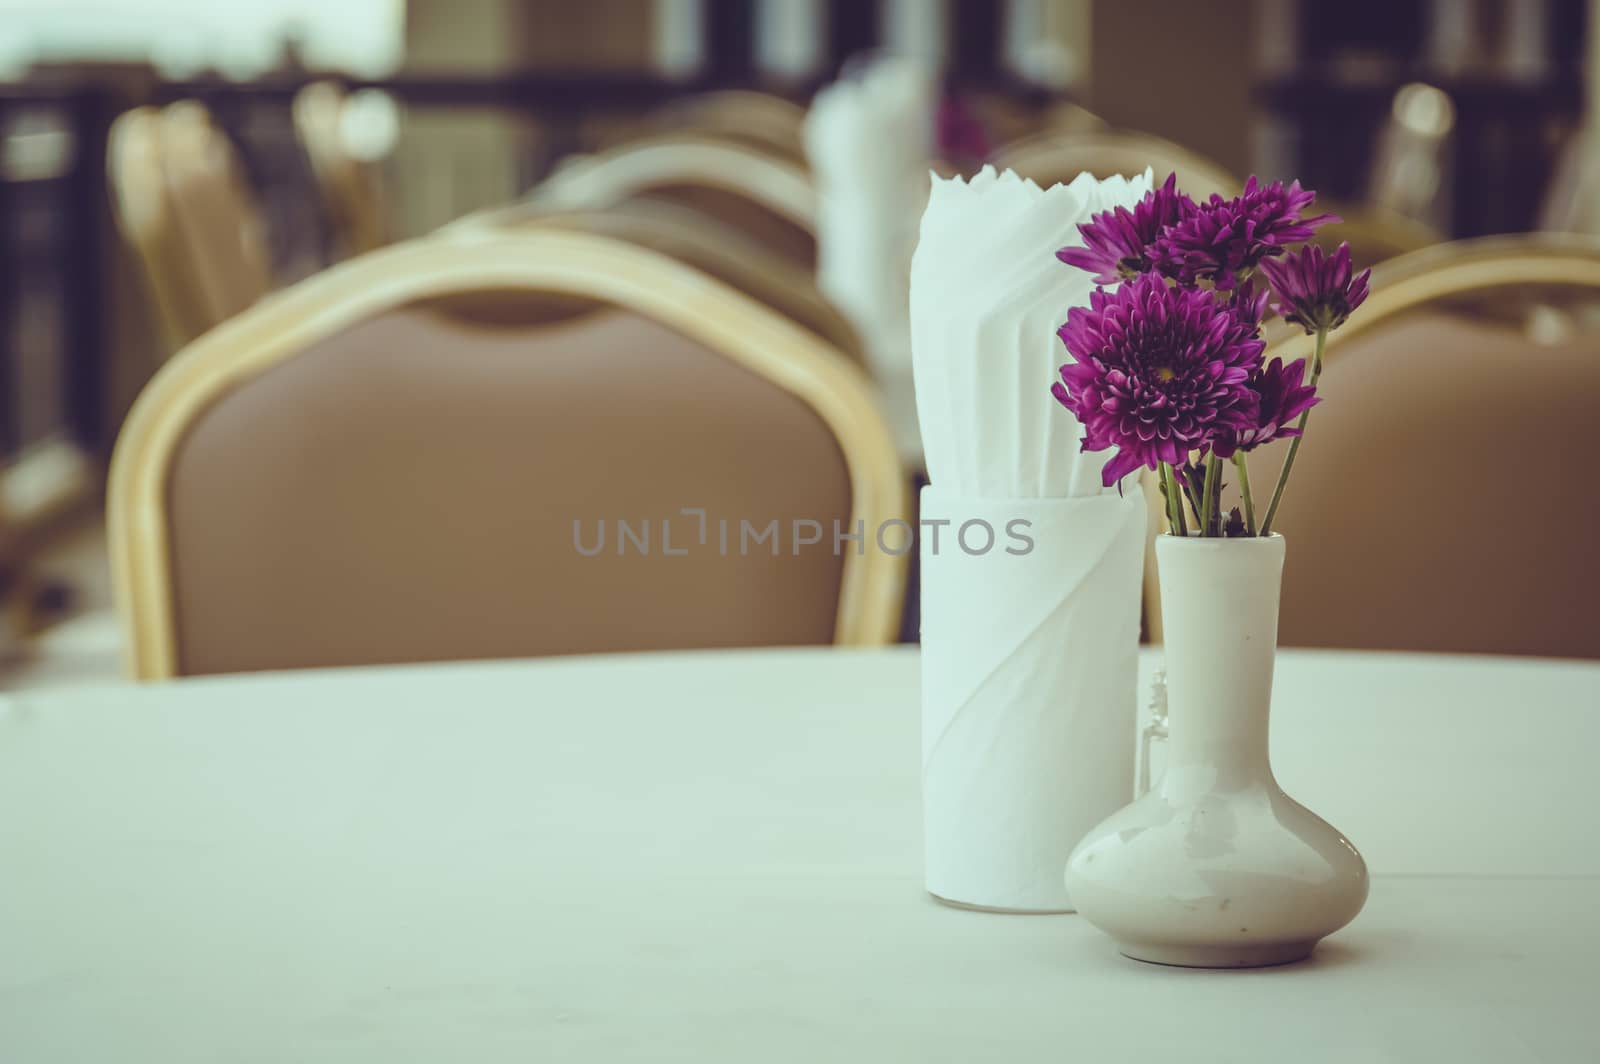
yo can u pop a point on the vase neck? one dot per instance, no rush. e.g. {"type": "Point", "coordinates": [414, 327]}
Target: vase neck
{"type": "Point", "coordinates": [1219, 601]}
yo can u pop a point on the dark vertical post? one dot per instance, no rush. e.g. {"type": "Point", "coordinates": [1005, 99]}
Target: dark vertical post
{"type": "Point", "coordinates": [975, 40]}
{"type": "Point", "coordinates": [730, 41]}
{"type": "Point", "coordinates": [10, 294]}
{"type": "Point", "coordinates": [854, 26]}
{"type": "Point", "coordinates": [86, 267]}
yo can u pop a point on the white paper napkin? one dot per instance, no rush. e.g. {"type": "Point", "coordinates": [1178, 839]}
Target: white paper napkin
{"type": "Point", "coordinates": [869, 138]}
{"type": "Point", "coordinates": [987, 296]}
{"type": "Point", "coordinates": [1029, 659]}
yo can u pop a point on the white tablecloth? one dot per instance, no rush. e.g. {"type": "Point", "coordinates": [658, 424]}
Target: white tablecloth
{"type": "Point", "coordinates": [715, 857]}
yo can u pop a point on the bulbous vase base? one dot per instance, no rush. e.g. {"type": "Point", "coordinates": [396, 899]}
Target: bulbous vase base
{"type": "Point", "coordinates": [1256, 956]}
{"type": "Point", "coordinates": [1216, 867]}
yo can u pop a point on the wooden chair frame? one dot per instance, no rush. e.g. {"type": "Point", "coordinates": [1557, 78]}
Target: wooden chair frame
{"type": "Point", "coordinates": [872, 587]}
{"type": "Point", "coordinates": [608, 177]}
{"type": "Point", "coordinates": [772, 279]}
{"type": "Point", "coordinates": [350, 188]}
{"type": "Point", "coordinates": [147, 223]}
{"type": "Point", "coordinates": [742, 116]}
{"type": "Point", "coordinates": [143, 147]}
{"type": "Point", "coordinates": [195, 147]}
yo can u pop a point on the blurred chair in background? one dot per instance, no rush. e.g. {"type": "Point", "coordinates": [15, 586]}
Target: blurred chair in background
{"type": "Point", "coordinates": [745, 118]}
{"type": "Point", "coordinates": [758, 120]}
{"type": "Point", "coordinates": [970, 125]}
{"type": "Point", "coordinates": [407, 457]}
{"type": "Point", "coordinates": [712, 247]}
{"type": "Point", "coordinates": [1375, 234]}
{"type": "Point", "coordinates": [449, 161]}
{"type": "Point", "coordinates": [769, 198]}
{"type": "Point", "coordinates": [182, 205]}
{"type": "Point", "coordinates": [1572, 202]}
{"type": "Point", "coordinates": [1437, 420]}
{"type": "Point", "coordinates": [217, 213]}
{"type": "Point", "coordinates": [47, 493]}
{"type": "Point", "coordinates": [1050, 158]}
{"type": "Point", "coordinates": [1010, 122]}
{"type": "Point", "coordinates": [351, 186]}
{"type": "Point", "coordinates": [147, 219]}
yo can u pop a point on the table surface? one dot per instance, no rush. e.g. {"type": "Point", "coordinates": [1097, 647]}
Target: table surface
{"type": "Point", "coordinates": [716, 856]}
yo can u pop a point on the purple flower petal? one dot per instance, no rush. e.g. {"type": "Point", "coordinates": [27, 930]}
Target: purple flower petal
{"type": "Point", "coordinates": [1160, 372]}
{"type": "Point", "coordinates": [1315, 290]}
{"type": "Point", "coordinates": [1223, 239]}
{"type": "Point", "coordinates": [1281, 397]}
{"type": "Point", "coordinates": [1116, 243]}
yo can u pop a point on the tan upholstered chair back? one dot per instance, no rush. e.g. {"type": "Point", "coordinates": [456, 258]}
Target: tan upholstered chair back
{"type": "Point", "coordinates": [1439, 502]}
{"type": "Point", "coordinates": [220, 224]}
{"type": "Point", "coordinates": [406, 459]}
{"type": "Point", "coordinates": [771, 199]}
{"type": "Point", "coordinates": [1049, 158]}
{"type": "Point", "coordinates": [351, 188]}
{"type": "Point", "coordinates": [697, 240]}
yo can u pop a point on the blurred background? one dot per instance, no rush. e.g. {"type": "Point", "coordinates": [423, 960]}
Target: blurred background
{"type": "Point", "coordinates": [341, 126]}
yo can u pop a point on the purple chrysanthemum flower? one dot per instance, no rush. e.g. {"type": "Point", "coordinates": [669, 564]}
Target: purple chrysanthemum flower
{"type": "Point", "coordinates": [1248, 306]}
{"type": "Point", "coordinates": [1316, 291]}
{"type": "Point", "coordinates": [1222, 238]}
{"type": "Point", "coordinates": [1117, 242]}
{"type": "Point", "coordinates": [1281, 397]}
{"type": "Point", "coordinates": [1160, 372]}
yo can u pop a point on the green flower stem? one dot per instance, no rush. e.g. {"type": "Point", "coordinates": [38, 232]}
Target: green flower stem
{"type": "Point", "coordinates": [1175, 518]}
{"type": "Point", "coordinates": [1208, 497]}
{"type": "Point", "coordinates": [1244, 492]}
{"type": "Point", "coordinates": [1294, 444]}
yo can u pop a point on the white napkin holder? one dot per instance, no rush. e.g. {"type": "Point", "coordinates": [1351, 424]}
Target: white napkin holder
{"type": "Point", "coordinates": [1029, 676]}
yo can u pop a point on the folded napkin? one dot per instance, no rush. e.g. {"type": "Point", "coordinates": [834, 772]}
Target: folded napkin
{"type": "Point", "coordinates": [1029, 651]}
{"type": "Point", "coordinates": [869, 138]}
{"type": "Point", "coordinates": [987, 295]}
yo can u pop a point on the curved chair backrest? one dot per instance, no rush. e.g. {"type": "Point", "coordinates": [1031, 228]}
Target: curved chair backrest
{"type": "Point", "coordinates": [696, 240]}
{"type": "Point", "coordinates": [1374, 234]}
{"type": "Point", "coordinates": [219, 222]}
{"type": "Point", "coordinates": [1437, 503]}
{"type": "Point", "coordinates": [147, 219]}
{"type": "Point", "coordinates": [372, 467]}
{"type": "Point", "coordinates": [755, 119]}
{"type": "Point", "coordinates": [771, 199]}
{"type": "Point", "coordinates": [1050, 158]}
{"type": "Point", "coordinates": [1571, 201]}
{"type": "Point", "coordinates": [999, 121]}
{"type": "Point", "coordinates": [350, 188]}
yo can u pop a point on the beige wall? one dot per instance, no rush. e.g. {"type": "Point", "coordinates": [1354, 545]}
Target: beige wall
{"type": "Point", "coordinates": [1181, 69]}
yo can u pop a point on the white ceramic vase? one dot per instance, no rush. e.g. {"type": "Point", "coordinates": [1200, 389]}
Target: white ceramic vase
{"type": "Point", "coordinates": [1215, 867]}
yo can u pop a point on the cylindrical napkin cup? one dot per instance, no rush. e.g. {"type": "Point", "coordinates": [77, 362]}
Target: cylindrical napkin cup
{"type": "Point", "coordinates": [1029, 664]}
